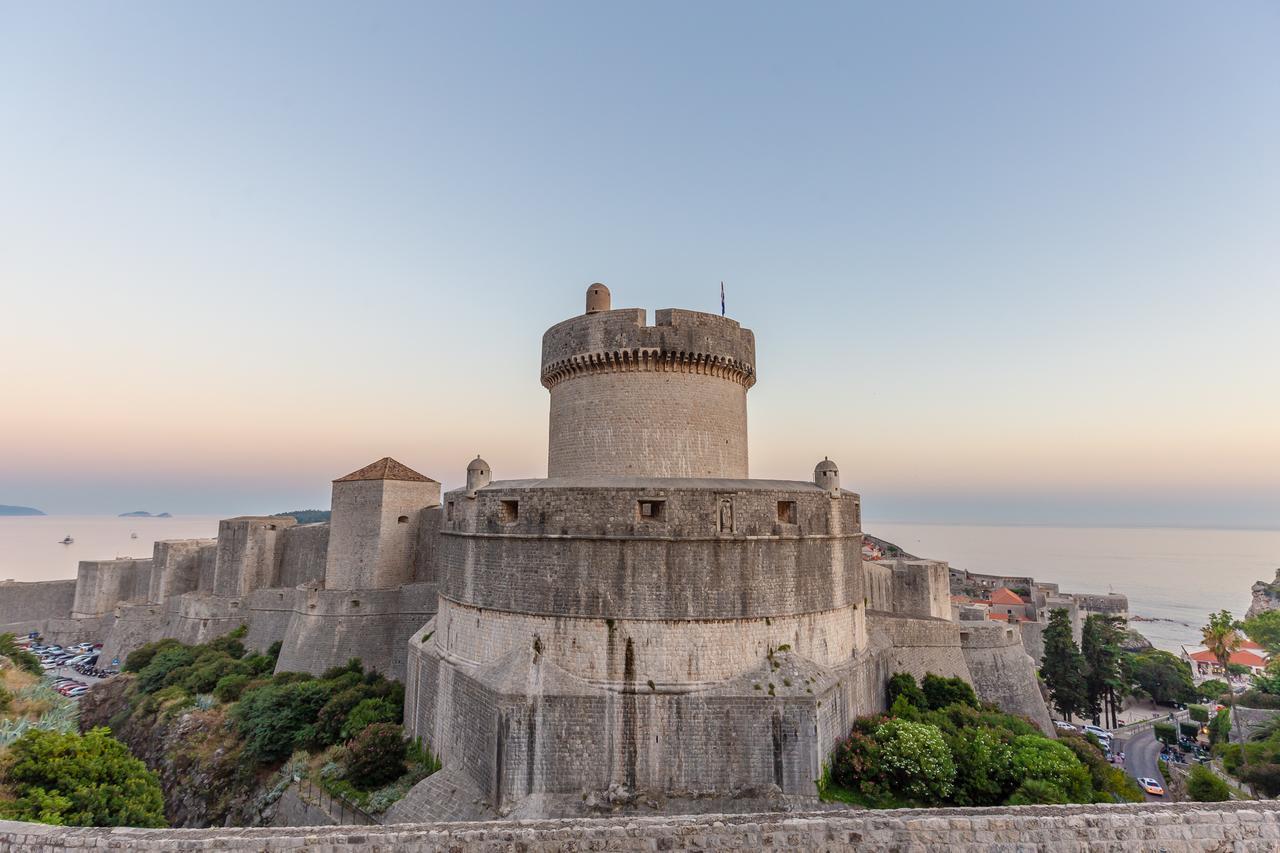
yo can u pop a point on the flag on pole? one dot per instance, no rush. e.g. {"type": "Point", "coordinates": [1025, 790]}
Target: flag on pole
{"type": "Point", "coordinates": [722, 299]}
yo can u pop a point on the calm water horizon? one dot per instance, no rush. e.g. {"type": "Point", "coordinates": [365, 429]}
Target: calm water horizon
{"type": "Point", "coordinates": [1171, 574]}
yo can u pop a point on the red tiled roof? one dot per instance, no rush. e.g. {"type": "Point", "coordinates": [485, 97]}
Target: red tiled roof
{"type": "Point", "coordinates": [1004, 595]}
{"type": "Point", "coordinates": [1242, 657]}
{"type": "Point", "coordinates": [385, 468]}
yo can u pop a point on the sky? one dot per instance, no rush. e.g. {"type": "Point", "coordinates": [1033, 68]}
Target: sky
{"type": "Point", "coordinates": [1005, 262]}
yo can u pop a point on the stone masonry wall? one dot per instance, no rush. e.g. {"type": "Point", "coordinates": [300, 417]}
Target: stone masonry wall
{"type": "Point", "coordinates": [249, 549]}
{"type": "Point", "coordinates": [1244, 827]}
{"type": "Point", "coordinates": [302, 558]}
{"type": "Point", "coordinates": [102, 584]}
{"type": "Point", "coordinates": [22, 602]}
{"type": "Point", "coordinates": [374, 532]}
{"type": "Point", "coordinates": [176, 566]}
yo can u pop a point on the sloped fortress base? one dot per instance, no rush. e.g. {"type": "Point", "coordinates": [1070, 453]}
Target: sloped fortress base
{"type": "Point", "coordinates": [1245, 827]}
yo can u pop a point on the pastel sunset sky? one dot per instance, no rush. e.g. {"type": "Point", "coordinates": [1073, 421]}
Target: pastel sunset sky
{"type": "Point", "coordinates": [1004, 262]}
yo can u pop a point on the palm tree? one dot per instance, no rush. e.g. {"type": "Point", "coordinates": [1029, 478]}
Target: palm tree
{"type": "Point", "coordinates": [1221, 636]}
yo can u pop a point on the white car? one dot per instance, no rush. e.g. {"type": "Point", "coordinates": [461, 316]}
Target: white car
{"type": "Point", "coordinates": [1100, 733]}
{"type": "Point", "coordinates": [1063, 726]}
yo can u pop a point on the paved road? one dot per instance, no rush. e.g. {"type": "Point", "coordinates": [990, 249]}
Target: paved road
{"type": "Point", "coordinates": [1141, 753]}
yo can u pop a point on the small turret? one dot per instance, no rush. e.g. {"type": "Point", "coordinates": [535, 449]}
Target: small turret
{"type": "Point", "coordinates": [598, 298]}
{"type": "Point", "coordinates": [827, 475]}
{"type": "Point", "coordinates": [478, 474]}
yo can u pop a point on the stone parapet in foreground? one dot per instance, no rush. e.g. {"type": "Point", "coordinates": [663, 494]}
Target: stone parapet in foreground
{"type": "Point", "coordinates": [1242, 826]}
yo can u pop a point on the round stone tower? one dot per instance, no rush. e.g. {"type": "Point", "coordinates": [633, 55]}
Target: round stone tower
{"type": "Point", "coordinates": [478, 474]}
{"type": "Point", "coordinates": [633, 400]}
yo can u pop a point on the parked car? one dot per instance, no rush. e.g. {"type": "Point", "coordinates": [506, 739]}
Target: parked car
{"type": "Point", "coordinates": [1064, 726]}
{"type": "Point", "coordinates": [1098, 732]}
{"type": "Point", "coordinates": [1151, 786]}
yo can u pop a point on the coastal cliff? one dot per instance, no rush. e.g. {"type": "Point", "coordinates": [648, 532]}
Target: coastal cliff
{"type": "Point", "coordinates": [1266, 596]}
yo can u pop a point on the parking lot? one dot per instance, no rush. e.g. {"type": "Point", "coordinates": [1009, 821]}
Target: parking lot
{"type": "Point", "coordinates": [71, 669]}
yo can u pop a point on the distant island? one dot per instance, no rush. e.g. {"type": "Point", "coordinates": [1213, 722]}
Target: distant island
{"type": "Point", "coordinates": [20, 510]}
{"type": "Point", "coordinates": [139, 513]}
{"type": "Point", "coordinates": [304, 516]}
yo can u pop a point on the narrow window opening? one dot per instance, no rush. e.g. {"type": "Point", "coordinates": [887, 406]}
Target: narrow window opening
{"type": "Point", "coordinates": [355, 602]}
{"type": "Point", "coordinates": [650, 510]}
{"type": "Point", "coordinates": [404, 519]}
{"type": "Point", "coordinates": [510, 512]}
{"type": "Point", "coordinates": [786, 512]}
{"type": "Point", "coordinates": [448, 511]}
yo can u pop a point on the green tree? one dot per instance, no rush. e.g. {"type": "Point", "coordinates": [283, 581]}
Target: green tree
{"type": "Point", "coordinates": [272, 717]}
{"type": "Point", "coordinates": [904, 684]}
{"type": "Point", "coordinates": [916, 761]}
{"type": "Point", "coordinates": [1264, 629]}
{"type": "Point", "coordinates": [1212, 689]}
{"type": "Point", "coordinates": [1105, 678]}
{"type": "Point", "coordinates": [940, 692]}
{"type": "Point", "coordinates": [1063, 667]}
{"type": "Point", "coordinates": [984, 767]}
{"type": "Point", "coordinates": [376, 756]}
{"type": "Point", "coordinates": [1220, 728]}
{"type": "Point", "coordinates": [1221, 636]}
{"type": "Point", "coordinates": [1164, 677]}
{"type": "Point", "coordinates": [1204, 786]}
{"type": "Point", "coordinates": [1199, 713]}
{"type": "Point", "coordinates": [1165, 732]}
{"type": "Point", "coordinates": [79, 780]}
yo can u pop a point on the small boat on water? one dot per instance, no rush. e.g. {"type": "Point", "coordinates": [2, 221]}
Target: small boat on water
{"type": "Point", "coordinates": [67, 540]}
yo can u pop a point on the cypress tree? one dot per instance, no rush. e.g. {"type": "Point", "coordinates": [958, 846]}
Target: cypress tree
{"type": "Point", "coordinates": [1063, 667]}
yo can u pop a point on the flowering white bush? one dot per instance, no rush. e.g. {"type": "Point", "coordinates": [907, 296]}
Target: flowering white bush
{"type": "Point", "coordinates": [915, 760]}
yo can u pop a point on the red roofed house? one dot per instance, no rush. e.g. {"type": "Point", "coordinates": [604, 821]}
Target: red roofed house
{"type": "Point", "coordinates": [1205, 666]}
{"type": "Point", "coordinates": [1006, 605]}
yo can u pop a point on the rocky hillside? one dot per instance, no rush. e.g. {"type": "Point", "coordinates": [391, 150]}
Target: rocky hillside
{"type": "Point", "coordinates": [1266, 596]}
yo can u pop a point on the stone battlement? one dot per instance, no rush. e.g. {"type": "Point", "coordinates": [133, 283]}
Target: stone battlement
{"type": "Point", "coordinates": [1169, 827]}
{"type": "Point", "coordinates": [620, 342]}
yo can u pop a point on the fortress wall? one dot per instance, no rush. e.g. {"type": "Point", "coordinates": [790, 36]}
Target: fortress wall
{"type": "Point", "coordinates": [878, 584]}
{"type": "Point", "coordinates": [249, 549]}
{"type": "Point", "coordinates": [921, 588]}
{"type": "Point", "coordinates": [328, 627]}
{"type": "Point", "coordinates": [370, 546]}
{"type": "Point", "coordinates": [918, 646]}
{"type": "Point", "coordinates": [1033, 640]}
{"type": "Point", "coordinates": [133, 625]}
{"type": "Point", "coordinates": [102, 584]}
{"type": "Point", "coordinates": [1002, 672]}
{"type": "Point", "coordinates": [268, 612]}
{"type": "Point", "coordinates": [197, 618]}
{"type": "Point", "coordinates": [302, 557]}
{"type": "Point", "coordinates": [208, 567]}
{"type": "Point", "coordinates": [648, 425]}
{"type": "Point", "coordinates": [23, 602]}
{"type": "Point", "coordinates": [1111, 604]}
{"type": "Point", "coordinates": [668, 652]}
{"type": "Point", "coordinates": [426, 560]}
{"type": "Point", "coordinates": [667, 400]}
{"type": "Point", "coordinates": [1246, 827]}
{"type": "Point", "coordinates": [176, 567]}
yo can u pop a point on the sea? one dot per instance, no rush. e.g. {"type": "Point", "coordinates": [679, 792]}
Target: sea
{"type": "Point", "coordinates": [1174, 577]}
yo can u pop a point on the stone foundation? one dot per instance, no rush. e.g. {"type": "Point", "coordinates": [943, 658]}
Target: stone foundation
{"type": "Point", "coordinates": [1245, 827]}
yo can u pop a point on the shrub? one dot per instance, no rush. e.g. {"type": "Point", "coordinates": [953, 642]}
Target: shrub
{"type": "Point", "coordinates": [1204, 786]}
{"type": "Point", "coordinates": [137, 659]}
{"type": "Point", "coordinates": [229, 645]}
{"type": "Point", "coordinates": [1191, 730]}
{"type": "Point", "coordinates": [904, 684]}
{"type": "Point", "coordinates": [260, 664]}
{"type": "Point", "coordinates": [368, 712]}
{"type": "Point", "coordinates": [984, 767]}
{"type": "Point", "coordinates": [1037, 757]}
{"type": "Point", "coordinates": [165, 661]}
{"type": "Point", "coordinates": [1264, 777]}
{"type": "Point", "coordinates": [79, 780]}
{"type": "Point", "coordinates": [940, 692]}
{"type": "Point", "coordinates": [856, 763]}
{"type": "Point", "coordinates": [1036, 792]}
{"type": "Point", "coordinates": [916, 761]}
{"type": "Point", "coordinates": [1220, 728]}
{"type": "Point", "coordinates": [1213, 689]}
{"type": "Point", "coordinates": [1165, 732]}
{"type": "Point", "coordinates": [376, 755]}
{"type": "Point", "coordinates": [229, 687]}
{"type": "Point", "coordinates": [21, 658]}
{"type": "Point", "coordinates": [1199, 713]}
{"type": "Point", "coordinates": [270, 718]}
{"type": "Point", "coordinates": [273, 652]}
{"type": "Point", "coordinates": [5, 699]}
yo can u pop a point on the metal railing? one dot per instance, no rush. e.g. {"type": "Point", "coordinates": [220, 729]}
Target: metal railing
{"type": "Point", "coordinates": [334, 805]}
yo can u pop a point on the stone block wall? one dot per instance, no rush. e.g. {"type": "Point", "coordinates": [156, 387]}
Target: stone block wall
{"type": "Point", "coordinates": [249, 550]}
{"type": "Point", "coordinates": [667, 400]}
{"type": "Point", "coordinates": [102, 584]}
{"type": "Point", "coordinates": [302, 559]}
{"type": "Point", "coordinates": [1002, 672]}
{"type": "Point", "coordinates": [176, 566]}
{"type": "Point", "coordinates": [23, 602]}
{"type": "Point", "coordinates": [374, 532]}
